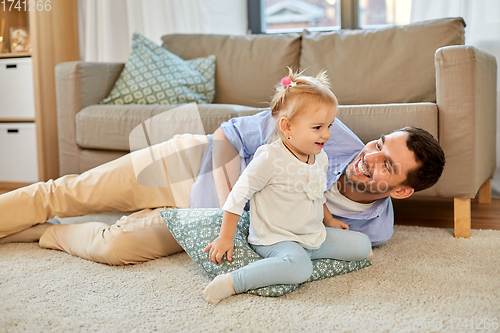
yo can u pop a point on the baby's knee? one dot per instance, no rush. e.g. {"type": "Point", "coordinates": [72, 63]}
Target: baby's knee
{"type": "Point", "coordinates": [300, 268]}
{"type": "Point", "coordinates": [364, 247]}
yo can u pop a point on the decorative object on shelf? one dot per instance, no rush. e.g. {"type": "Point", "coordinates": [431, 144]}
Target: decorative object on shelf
{"type": "Point", "coordinates": [19, 39]}
{"type": "Point", "coordinates": [2, 29]}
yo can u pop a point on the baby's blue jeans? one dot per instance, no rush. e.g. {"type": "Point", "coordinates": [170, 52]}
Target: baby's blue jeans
{"type": "Point", "coordinates": [289, 263]}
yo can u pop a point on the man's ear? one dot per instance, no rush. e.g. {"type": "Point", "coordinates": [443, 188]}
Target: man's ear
{"type": "Point", "coordinates": [284, 125]}
{"type": "Point", "coordinates": [402, 192]}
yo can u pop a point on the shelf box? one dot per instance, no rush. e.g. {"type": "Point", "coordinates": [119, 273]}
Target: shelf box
{"type": "Point", "coordinates": [16, 88]}
{"type": "Point", "coordinates": [18, 152]}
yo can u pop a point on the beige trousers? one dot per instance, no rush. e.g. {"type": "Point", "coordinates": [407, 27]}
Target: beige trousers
{"type": "Point", "coordinates": [125, 184]}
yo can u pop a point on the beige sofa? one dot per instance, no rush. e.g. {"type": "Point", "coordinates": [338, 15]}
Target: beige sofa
{"type": "Point", "coordinates": [420, 75]}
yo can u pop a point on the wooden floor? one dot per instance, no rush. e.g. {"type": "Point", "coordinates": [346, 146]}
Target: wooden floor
{"type": "Point", "coordinates": [438, 212]}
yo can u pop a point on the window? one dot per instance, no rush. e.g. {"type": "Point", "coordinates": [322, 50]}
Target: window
{"type": "Point", "coordinates": [286, 15]}
{"type": "Point", "coordinates": [272, 16]}
{"type": "Point", "coordinates": [375, 13]}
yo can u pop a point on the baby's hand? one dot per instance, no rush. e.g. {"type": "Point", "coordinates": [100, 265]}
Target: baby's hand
{"type": "Point", "coordinates": [218, 248]}
{"type": "Point", "coordinates": [335, 223]}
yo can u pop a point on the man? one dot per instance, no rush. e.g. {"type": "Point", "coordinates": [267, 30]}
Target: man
{"type": "Point", "coordinates": [361, 180]}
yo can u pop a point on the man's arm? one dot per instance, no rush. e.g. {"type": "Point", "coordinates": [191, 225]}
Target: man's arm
{"type": "Point", "coordinates": [377, 222]}
{"type": "Point", "coordinates": [226, 165]}
{"type": "Point", "coordinates": [237, 138]}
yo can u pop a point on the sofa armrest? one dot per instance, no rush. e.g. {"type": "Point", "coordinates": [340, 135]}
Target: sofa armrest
{"type": "Point", "coordinates": [78, 85]}
{"type": "Point", "coordinates": [466, 80]}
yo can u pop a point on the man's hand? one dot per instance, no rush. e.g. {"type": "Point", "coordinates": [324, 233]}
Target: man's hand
{"type": "Point", "coordinates": [218, 248]}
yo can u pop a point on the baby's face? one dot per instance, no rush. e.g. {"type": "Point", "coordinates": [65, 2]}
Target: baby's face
{"type": "Point", "coordinates": [310, 129]}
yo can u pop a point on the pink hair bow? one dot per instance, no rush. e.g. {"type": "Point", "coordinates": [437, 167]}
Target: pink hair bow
{"type": "Point", "coordinates": [287, 82]}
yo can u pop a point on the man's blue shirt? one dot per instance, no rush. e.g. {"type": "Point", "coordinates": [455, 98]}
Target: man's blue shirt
{"type": "Point", "coordinates": [246, 134]}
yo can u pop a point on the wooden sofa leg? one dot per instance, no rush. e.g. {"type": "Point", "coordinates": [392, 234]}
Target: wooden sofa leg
{"type": "Point", "coordinates": [484, 194]}
{"type": "Point", "coordinates": [462, 218]}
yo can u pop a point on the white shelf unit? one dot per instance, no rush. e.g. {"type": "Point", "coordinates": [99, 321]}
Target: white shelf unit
{"type": "Point", "coordinates": [18, 146]}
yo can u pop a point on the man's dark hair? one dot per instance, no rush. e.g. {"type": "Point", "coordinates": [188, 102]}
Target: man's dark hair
{"type": "Point", "coordinates": [428, 153]}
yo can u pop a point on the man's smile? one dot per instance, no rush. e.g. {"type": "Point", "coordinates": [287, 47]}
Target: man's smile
{"type": "Point", "coordinates": [360, 170]}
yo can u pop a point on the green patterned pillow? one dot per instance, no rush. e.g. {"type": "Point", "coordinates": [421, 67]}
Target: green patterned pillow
{"type": "Point", "coordinates": [194, 229]}
{"type": "Point", "coordinates": [152, 75]}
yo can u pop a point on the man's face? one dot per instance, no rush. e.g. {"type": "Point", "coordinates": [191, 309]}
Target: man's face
{"type": "Point", "coordinates": [382, 165]}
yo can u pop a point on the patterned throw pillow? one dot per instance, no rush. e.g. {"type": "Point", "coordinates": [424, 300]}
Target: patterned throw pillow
{"type": "Point", "coordinates": [152, 75]}
{"type": "Point", "coordinates": [194, 229]}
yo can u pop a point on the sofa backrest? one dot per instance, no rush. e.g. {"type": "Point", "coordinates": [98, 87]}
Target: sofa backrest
{"type": "Point", "coordinates": [387, 65]}
{"type": "Point", "coordinates": [247, 67]}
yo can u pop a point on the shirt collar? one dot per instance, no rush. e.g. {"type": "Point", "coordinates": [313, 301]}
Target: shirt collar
{"type": "Point", "coordinates": [378, 208]}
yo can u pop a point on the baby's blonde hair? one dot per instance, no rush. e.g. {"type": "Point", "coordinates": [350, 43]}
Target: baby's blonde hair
{"type": "Point", "coordinates": [286, 101]}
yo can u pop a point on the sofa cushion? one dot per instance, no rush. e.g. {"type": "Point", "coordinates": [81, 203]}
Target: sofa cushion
{"type": "Point", "coordinates": [247, 67]}
{"type": "Point", "coordinates": [388, 65]}
{"type": "Point", "coordinates": [109, 126]}
{"type": "Point", "coordinates": [152, 75]}
{"type": "Point", "coordinates": [368, 122]}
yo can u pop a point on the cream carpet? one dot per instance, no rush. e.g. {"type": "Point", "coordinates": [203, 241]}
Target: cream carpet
{"type": "Point", "coordinates": [422, 280]}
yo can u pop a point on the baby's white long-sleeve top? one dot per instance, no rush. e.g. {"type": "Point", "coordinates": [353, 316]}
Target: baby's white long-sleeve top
{"type": "Point", "coordinates": [286, 197]}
